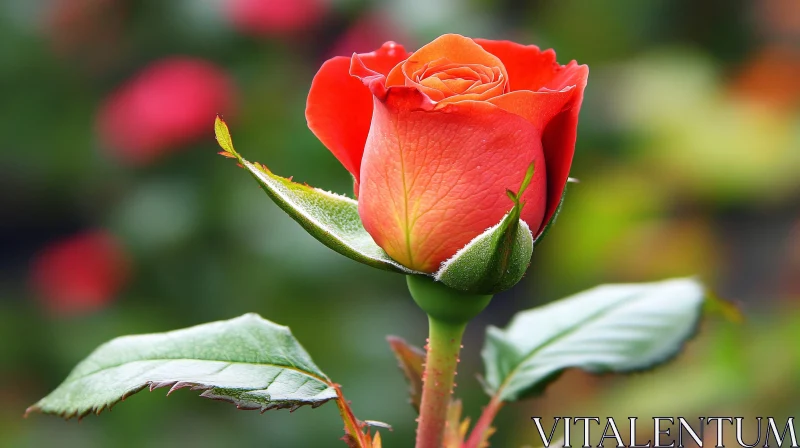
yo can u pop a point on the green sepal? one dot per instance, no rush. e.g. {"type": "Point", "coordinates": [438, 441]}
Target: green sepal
{"type": "Point", "coordinates": [609, 328]}
{"type": "Point", "coordinates": [497, 259]}
{"type": "Point", "coordinates": [411, 361]}
{"type": "Point", "coordinates": [443, 303]}
{"type": "Point", "coordinates": [248, 361]}
{"type": "Point", "coordinates": [330, 218]}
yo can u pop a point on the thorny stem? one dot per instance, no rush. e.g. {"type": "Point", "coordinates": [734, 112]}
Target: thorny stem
{"type": "Point", "coordinates": [478, 434]}
{"type": "Point", "coordinates": [448, 312]}
{"type": "Point", "coordinates": [444, 345]}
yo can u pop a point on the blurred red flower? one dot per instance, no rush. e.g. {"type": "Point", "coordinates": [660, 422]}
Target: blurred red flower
{"type": "Point", "coordinates": [81, 273]}
{"type": "Point", "coordinates": [274, 17]}
{"type": "Point", "coordinates": [167, 105]}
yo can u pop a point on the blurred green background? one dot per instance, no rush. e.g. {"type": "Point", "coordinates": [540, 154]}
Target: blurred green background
{"type": "Point", "coordinates": [118, 217]}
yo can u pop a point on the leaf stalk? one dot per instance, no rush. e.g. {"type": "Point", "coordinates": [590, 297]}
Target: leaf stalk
{"type": "Point", "coordinates": [479, 434]}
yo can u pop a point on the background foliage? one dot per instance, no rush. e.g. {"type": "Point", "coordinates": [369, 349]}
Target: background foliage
{"type": "Point", "coordinates": [118, 217]}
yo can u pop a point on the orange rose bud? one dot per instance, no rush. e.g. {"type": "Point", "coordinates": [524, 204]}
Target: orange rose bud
{"type": "Point", "coordinates": [435, 138]}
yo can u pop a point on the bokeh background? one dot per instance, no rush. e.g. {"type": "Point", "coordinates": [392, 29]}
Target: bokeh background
{"type": "Point", "coordinates": [118, 217]}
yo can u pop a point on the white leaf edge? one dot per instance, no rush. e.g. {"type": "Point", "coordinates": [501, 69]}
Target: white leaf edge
{"type": "Point", "coordinates": [263, 177]}
{"type": "Point", "coordinates": [483, 236]}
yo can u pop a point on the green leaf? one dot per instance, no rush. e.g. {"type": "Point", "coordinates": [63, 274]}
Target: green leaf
{"type": "Point", "coordinates": [610, 328]}
{"type": "Point", "coordinates": [223, 135]}
{"type": "Point", "coordinates": [412, 362]}
{"type": "Point", "coordinates": [497, 259]}
{"type": "Point", "coordinates": [330, 218]}
{"type": "Point", "coordinates": [248, 361]}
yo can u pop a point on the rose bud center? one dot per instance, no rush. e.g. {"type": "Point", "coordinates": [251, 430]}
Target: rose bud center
{"type": "Point", "coordinates": [445, 81]}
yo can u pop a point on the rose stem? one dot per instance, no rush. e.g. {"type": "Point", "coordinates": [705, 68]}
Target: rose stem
{"type": "Point", "coordinates": [448, 312]}
{"type": "Point", "coordinates": [444, 345]}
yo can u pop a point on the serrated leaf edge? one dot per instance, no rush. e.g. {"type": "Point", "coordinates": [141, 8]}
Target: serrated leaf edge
{"type": "Point", "coordinates": [208, 392]}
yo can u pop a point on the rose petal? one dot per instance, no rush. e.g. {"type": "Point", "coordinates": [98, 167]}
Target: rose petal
{"type": "Point", "coordinates": [530, 68]}
{"type": "Point", "coordinates": [435, 88]}
{"type": "Point", "coordinates": [536, 107]}
{"type": "Point", "coordinates": [464, 72]}
{"type": "Point", "coordinates": [558, 142]}
{"type": "Point", "coordinates": [482, 88]}
{"type": "Point", "coordinates": [571, 74]}
{"type": "Point", "coordinates": [339, 108]}
{"type": "Point", "coordinates": [481, 93]}
{"type": "Point", "coordinates": [458, 85]}
{"type": "Point", "coordinates": [455, 48]}
{"type": "Point", "coordinates": [433, 180]}
{"type": "Point", "coordinates": [410, 98]}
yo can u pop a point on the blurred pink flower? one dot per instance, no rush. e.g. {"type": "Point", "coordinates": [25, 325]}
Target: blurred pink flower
{"type": "Point", "coordinates": [169, 104]}
{"type": "Point", "coordinates": [274, 17]}
{"type": "Point", "coordinates": [368, 33]}
{"type": "Point", "coordinates": [81, 273]}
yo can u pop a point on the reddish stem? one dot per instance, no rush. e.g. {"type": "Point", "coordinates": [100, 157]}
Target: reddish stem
{"type": "Point", "coordinates": [448, 312]}
{"type": "Point", "coordinates": [444, 345]}
{"type": "Point", "coordinates": [477, 436]}
{"type": "Point", "coordinates": [352, 426]}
